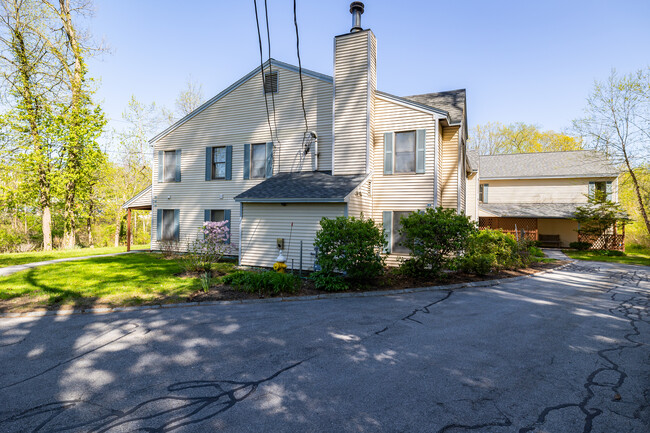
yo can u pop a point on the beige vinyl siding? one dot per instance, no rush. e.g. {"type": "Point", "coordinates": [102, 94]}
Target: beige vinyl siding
{"type": "Point", "coordinates": [360, 201]}
{"type": "Point", "coordinates": [568, 190]}
{"type": "Point", "coordinates": [263, 223]}
{"type": "Point", "coordinates": [236, 119]}
{"type": "Point", "coordinates": [449, 173]}
{"type": "Point", "coordinates": [353, 54]}
{"type": "Point", "coordinates": [401, 192]}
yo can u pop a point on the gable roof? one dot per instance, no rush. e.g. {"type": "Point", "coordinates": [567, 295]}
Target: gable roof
{"type": "Point", "coordinates": [451, 101]}
{"type": "Point", "coordinates": [303, 187]}
{"type": "Point", "coordinates": [235, 85]}
{"type": "Point", "coordinates": [577, 163]}
{"type": "Point", "coordinates": [141, 200]}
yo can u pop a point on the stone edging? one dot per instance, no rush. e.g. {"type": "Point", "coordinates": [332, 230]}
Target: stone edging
{"type": "Point", "coordinates": [486, 283]}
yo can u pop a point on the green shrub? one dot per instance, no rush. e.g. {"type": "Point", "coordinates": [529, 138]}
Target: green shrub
{"type": "Point", "coordinates": [434, 237]}
{"type": "Point", "coordinates": [611, 253]}
{"type": "Point", "coordinates": [265, 282]}
{"type": "Point", "coordinates": [329, 281]}
{"type": "Point", "coordinates": [489, 250]}
{"type": "Point", "coordinates": [580, 246]}
{"type": "Point", "coordinates": [349, 246]}
{"type": "Point", "coordinates": [480, 264]}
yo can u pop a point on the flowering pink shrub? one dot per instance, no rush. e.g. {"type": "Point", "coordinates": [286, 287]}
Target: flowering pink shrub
{"type": "Point", "coordinates": [211, 244]}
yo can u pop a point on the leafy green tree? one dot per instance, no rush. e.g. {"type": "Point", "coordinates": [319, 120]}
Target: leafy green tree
{"type": "Point", "coordinates": [617, 122]}
{"type": "Point", "coordinates": [434, 237]}
{"type": "Point", "coordinates": [599, 216]}
{"type": "Point", "coordinates": [494, 138]}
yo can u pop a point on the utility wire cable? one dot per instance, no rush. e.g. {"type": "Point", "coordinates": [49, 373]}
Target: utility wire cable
{"type": "Point", "coordinates": [268, 41]}
{"type": "Point", "coordinates": [259, 39]}
{"type": "Point", "coordinates": [302, 94]}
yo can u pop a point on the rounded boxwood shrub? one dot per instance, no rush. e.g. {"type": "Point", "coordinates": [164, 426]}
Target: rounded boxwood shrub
{"type": "Point", "coordinates": [499, 249]}
{"type": "Point", "coordinates": [580, 246]}
{"type": "Point", "coordinates": [349, 247]}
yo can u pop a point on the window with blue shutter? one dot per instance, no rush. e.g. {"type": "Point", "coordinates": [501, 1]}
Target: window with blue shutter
{"type": "Point", "coordinates": [388, 153]}
{"type": "Point", "coordinates": [177, 174]}
{"type": "Point", "coordinates": [247, 160]}
{"type": "Point", "coordinates": [217, 215]}
{"type": "Point", "coordinates": [420, 149]}
{"type": "Point", "coordinates": [387, 221]}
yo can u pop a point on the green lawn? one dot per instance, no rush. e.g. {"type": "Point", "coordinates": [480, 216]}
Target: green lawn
{"type": "Point", "coordinates": [130, 279]}
{"type": "Point", "coordinates": [634, 255]}
{"type": "Point", "coordinates": [39, 256]}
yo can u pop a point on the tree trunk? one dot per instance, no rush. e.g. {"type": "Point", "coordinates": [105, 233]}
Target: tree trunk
{"type": "Point", "coordinates": [637, 189]}
{"type": "Point", "coordinates": [47, 229]}
{"type": "Point", "coordinates": [118, 227]}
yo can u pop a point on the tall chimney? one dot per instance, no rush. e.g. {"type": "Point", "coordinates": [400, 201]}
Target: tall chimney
{"type": "Point", "coordinates": [355, 82]}
{"type": "Point", "coordinates": [356, 9]}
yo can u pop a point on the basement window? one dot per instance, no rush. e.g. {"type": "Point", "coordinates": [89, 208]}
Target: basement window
{"type": "Point", "coordinates": [271, 82]}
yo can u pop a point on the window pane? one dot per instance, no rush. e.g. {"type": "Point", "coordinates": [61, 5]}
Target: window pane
{"type": "Point", "coordinates": [219, 154]}
{"type": "Point", "coordinates": [397, 238]}
{"type": "Point", "coordinates": [219, 170]}
{"type": "Point", "coordinates": [258, 160]}
{"type": "Point", "coordinates": [168, 224]}
{"type": "Point", "coordinates": [170, 166]}
{"type": "Point", "coordinates": [216, 215]}
{"type": "Point", "coordinates": [405, 152]}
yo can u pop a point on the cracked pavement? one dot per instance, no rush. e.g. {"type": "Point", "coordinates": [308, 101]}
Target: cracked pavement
{"type": "Point", "coordinates": [567, 351]}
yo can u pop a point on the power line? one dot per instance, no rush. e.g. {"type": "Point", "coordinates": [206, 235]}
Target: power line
{"type": "Point", "coordinates": [268, 40]}
{"type": "Point", "coordinates": [259, 39]}
{"type": "Point", "coordinates": [302, 95]}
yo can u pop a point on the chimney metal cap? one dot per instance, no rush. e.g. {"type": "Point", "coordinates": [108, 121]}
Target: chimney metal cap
{"type": "Point", "coordinates": [356, 5]}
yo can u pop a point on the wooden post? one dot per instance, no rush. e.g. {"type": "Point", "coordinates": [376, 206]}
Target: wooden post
{"type": "Point", "coordinates": [128, 229]}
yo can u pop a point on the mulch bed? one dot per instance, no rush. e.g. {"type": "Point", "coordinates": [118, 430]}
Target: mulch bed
{"type": "Point", "coordinates": [391, 281]}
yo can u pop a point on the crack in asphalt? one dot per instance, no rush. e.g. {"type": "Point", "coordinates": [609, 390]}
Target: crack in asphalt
{"type": "Point", "coordinates": [629, 309]}
{"type": "Point", "coordinates": [423, 310]}
{"type": "Point", "coordinates": [228, 394]}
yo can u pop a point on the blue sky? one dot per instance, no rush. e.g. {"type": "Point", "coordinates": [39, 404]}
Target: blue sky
{"type": "Point", "coordinates": [528, 61]}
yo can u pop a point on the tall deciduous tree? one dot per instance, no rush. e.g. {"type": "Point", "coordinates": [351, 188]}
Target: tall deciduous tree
{"type": "Point", "coordinates": [30, 79]}
{"type": "Point", "coordinates": [189, 98]}
{"type": "Point", "coordinates": [617, 122]}
{"type": "Point", "coordinates": [494, 138]}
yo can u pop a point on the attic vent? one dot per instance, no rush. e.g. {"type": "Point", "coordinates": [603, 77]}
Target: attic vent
{"type": "Point", "coordinates": [271, 82]}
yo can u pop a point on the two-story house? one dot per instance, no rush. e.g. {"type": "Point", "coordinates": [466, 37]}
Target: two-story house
{"type": "Point", "coordinates": [539, 192]}
{"type": "Point", "coordinates": [251, 156]}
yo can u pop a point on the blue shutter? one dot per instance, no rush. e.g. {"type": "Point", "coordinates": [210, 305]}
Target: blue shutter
{"type": "Point", "coordinates": [177, 224]}
{"type": "Point", "coordinates": [178, 165]}
{"type": "Point", "coordinates": [247, 160]}
{"type": "Point", "coordinates": [207, 215]}
{"type": "Point", "coordinates": [420, 146]}
{"type": "Point", "coordinates": [226, 217]}
{"type": "Point", "coordinates": [159, 225]}
{"type": "Point", "coordinates": [388, 230]}
{"type": "Point", "coordinates": [388, 153]}
{"type": "Point", "coordinates": [228, 162]}
{"type": "Point", "coordinates": [161, 157]}
{"type": "Point", "coordinates": [485, 192]}
{"type": "Point", "coordinates": [269, 159]}
{"type": "Point", "coordinates": [592, 190]}
{"type": "Point", "coordinates": [208, 163]}
{"type": "Point", "coordinates": [609, 190]}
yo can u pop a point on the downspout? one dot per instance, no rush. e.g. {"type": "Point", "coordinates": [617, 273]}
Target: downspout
{"type": "Point", "coordinates": [435, 163]}
{"type": "Point", "coordinates": [241, 220]}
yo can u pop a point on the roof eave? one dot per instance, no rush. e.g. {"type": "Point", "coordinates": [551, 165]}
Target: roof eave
{"type": "Point", "coordinates": [290, 200]}
{"type": "Point", "coordinates": [569, 176]}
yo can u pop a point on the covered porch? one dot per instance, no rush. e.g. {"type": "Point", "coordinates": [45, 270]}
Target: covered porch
{"type": "Point", "coordinates": [141, 201]}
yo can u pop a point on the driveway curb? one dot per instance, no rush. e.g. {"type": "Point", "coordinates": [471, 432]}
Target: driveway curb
{"type": "Point", "coordinates": [104, 310]}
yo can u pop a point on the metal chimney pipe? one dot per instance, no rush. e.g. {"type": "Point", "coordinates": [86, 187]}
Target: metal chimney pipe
{"type": "Point", "coordinates": [356, 9]}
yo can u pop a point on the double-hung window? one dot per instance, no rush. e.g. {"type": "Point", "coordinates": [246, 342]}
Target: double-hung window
{"type": "Point", "coordinates": [169, 165]}
{"type": "Point", "coordinates": [404, 152]}
{"type": "Point", "coordinates": [168, 222]}
{"type": "Point", "coordinates": [218, 215]}
{"type": "Point", "coordinates": [218, 163]}
{"type": "Point", "coordinates": [258, 160]}
{"type": "Point", "coordinates": [392, 224]}
{"type": "Point", "coordinates": [483, 193]}
{"type": "Point", "coordinates": [600, 190]}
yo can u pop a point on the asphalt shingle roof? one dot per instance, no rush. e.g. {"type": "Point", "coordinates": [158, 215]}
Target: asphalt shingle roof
{"type": "Point", "coordinates": [302, 187]}
{"type": "Point", "coordinates": [452, 101]}
{"type": "Point", "coordinates": [580, 163]}
{"type": "Point", "coordinates": [531, 210]}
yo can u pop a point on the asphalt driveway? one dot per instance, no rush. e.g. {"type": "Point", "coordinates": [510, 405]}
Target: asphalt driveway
{"type": "Point", "coordinates": [563, 352]}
